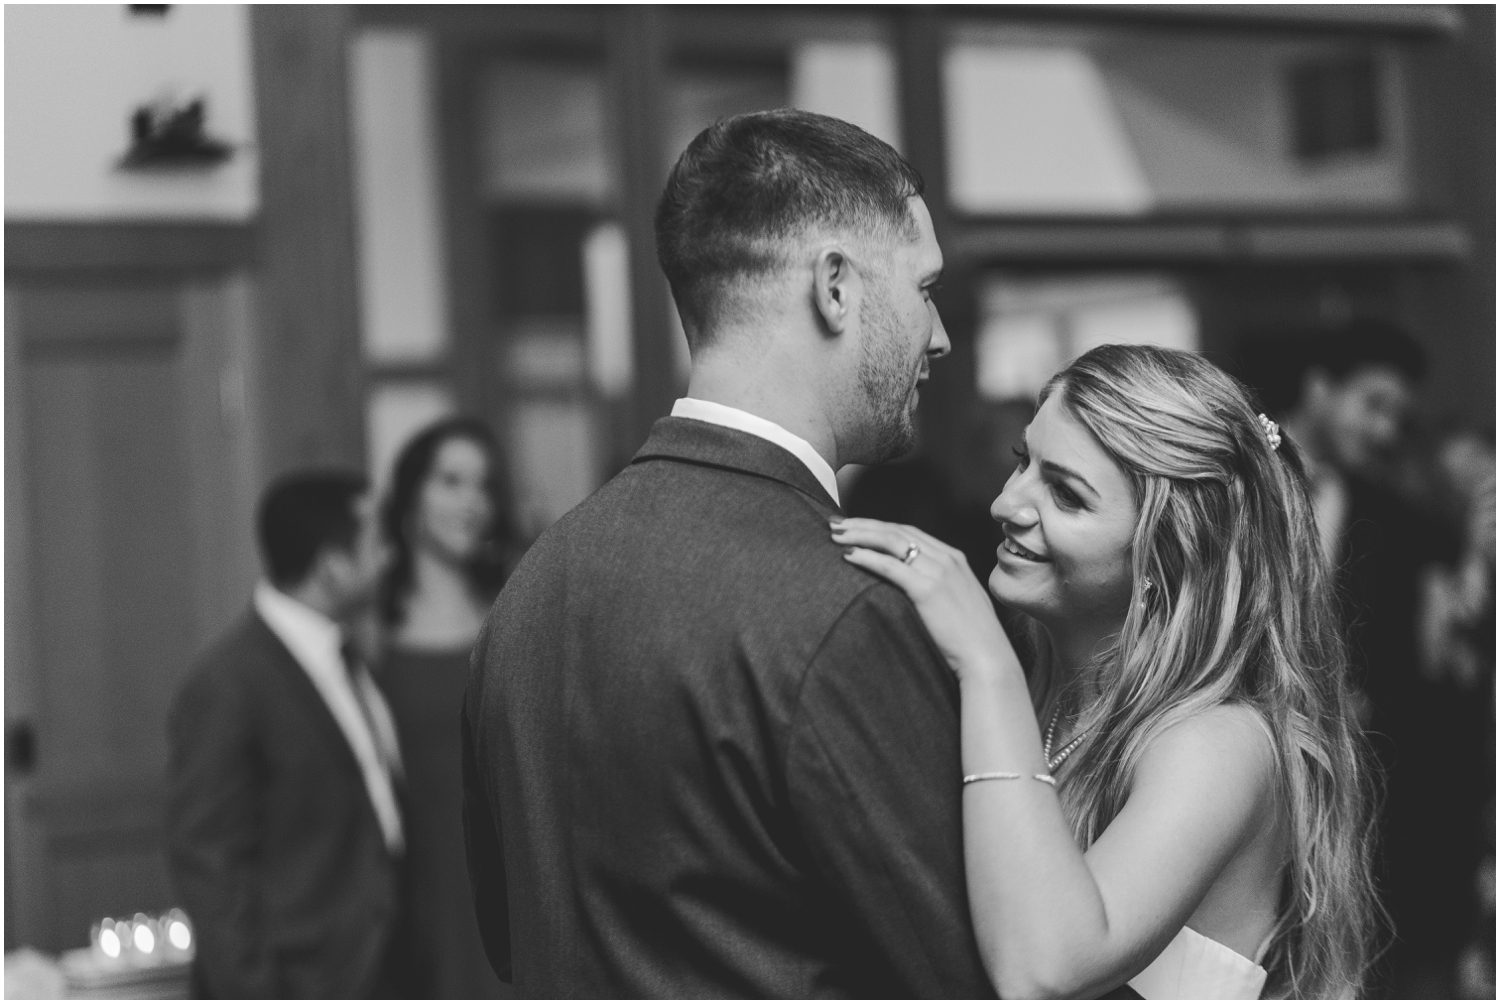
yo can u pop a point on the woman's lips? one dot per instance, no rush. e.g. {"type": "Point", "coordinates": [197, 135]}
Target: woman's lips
{"type": "Point", "coordinates": [1009, 546]}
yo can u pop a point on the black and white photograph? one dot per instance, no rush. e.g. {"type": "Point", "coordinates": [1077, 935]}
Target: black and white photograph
{"type": "Point", "coordinates": [888, 501]}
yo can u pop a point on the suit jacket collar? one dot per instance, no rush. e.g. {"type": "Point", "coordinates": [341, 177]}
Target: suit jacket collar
{"type": "Point", "coordinates": [333, 735]}
{"type": "Point", "coordinates": [296, 677]}
{"type": "Point", "coordinates": [695, 442]}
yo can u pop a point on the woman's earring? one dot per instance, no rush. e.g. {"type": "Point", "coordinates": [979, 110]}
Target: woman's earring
{"type": "Point", "coordinates": [1146, 593]}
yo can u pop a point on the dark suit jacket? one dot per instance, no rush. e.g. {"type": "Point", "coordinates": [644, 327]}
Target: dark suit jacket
{"type": "Point", "coordinates": [1430, 735]}
{"type": "Point", "coordinates": [273, 845]}
{"type": "Point", "coordinates": [705, 756]}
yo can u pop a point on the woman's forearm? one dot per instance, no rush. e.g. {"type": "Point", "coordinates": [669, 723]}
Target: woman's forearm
{"type": "Point", "coordinates": [1039, 918]}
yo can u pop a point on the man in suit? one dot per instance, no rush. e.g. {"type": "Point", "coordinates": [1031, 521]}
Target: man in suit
{"type": "Point", "coordinates": [704, 755]}
{"type": "Point", "coordinates": [285, 834]}
{"type": "Point", "coordinates": [1355, 388]}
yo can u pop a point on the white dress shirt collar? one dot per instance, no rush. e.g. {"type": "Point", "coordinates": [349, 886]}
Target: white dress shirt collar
{"type": "Point", "coordinates": [734, 418]}
{"type": "Point", "coordinates": [315, 642]}
{"type": "Point", "coordinates": [311, 635]}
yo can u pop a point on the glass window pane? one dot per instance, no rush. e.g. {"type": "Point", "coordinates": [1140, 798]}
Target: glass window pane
{"type": "Point", "coordinates": [403, 302]}
{"type": "Point", "coordinates": [543, 133]}
{"type": "Point", "coordinates": [606, 295]}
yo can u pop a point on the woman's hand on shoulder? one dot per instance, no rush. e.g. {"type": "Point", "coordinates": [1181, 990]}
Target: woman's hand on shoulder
{"type": "Point", "coordinates": [952, 603]}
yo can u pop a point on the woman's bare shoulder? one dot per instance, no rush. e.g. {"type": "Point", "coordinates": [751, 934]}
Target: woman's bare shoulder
{"type": "Point", "coordinates": [1225, 744]}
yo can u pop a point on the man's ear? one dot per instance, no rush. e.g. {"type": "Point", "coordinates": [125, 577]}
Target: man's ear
{"type": "Point", "coordinates": [332, 566]}
{"type": "Point", "coordinates": [833, 288]}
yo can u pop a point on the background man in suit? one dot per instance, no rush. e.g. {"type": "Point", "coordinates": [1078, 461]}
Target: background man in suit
{"type": "Point", "coordinates": [1356, 385]}
{"type": "Point", "coordinates": [704, 755]}
{"type": "Point", "coordinates": [284, 825]}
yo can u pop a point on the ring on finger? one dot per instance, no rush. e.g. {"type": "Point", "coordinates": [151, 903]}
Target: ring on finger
{"type": "Point", "coordinates": [912, 550]}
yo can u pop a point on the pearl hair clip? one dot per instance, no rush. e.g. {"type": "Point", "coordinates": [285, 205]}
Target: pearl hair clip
{"type": "Point", "coordinates": [1272, 431]}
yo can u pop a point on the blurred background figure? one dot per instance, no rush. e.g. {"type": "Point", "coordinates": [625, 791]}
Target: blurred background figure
{"type": "Point", "coordinates": [1456, 625]}
{"type": "Point", "coordinates": [1346, 394]}
{"type": "Point", "coordinates": [445, 518]}
{"type": "Point", "coordinates": [284, 821]}
{"type": "Point", "coordinates": [1456, 646]}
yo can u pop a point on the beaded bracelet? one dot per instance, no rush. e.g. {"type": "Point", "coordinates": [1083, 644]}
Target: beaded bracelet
{"type": "Point", "coordinates": [1005, 775]}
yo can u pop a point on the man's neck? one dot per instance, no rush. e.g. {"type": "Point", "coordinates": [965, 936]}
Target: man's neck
{"type": "Point", "coordinates": [314, 596]}
{"type": "Point", "coordinates": [796, 409]}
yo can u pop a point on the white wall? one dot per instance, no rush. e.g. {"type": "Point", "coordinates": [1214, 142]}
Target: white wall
{"type": "Point", "coordinates": [73, 77]}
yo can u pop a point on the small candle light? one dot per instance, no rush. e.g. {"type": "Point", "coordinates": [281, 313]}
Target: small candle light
{"type": "Point", "coordinates": [109, 941]}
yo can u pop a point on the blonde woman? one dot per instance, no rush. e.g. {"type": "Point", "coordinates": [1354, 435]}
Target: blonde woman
{"type": "Point", "coordinates": [1177, 799]}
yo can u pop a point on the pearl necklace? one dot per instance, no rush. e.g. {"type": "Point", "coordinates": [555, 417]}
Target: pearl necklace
{"type": "Point", "coordinates": [1054, 762]}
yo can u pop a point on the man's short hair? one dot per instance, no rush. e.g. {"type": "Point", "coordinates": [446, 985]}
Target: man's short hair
{"type": "Point", "coordinates": [747, 187]}
{"type": "Point", "coordinates": [302, 513]}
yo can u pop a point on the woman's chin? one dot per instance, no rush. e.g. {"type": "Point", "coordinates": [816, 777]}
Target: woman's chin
{"type": "Point", "coordinates": [1004, 588]}
{"type": "Point", "coordinates": [453, 550]}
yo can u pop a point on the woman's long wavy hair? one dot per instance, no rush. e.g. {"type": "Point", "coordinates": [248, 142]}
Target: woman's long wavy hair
{"type": "Point", "coordinates": [487, 569]}
{"type": "Point", "coordinates": [1240, 610]}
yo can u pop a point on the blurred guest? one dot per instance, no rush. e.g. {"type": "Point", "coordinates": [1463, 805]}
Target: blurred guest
{"type": "Point", "coordinates": [284, 824]}
{"type": "Point", "coordinates": [1457, 648]}
{"type": "Point", "coordinates": [1354, 394]}
{"type": "Point", "coordinates": [1457, 609]}
{"type": "Point", "coordinates": [444, 519]}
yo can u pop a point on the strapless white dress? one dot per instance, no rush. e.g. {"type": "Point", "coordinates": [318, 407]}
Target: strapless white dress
{"type": "Point", "coordinates": [1193, 967]}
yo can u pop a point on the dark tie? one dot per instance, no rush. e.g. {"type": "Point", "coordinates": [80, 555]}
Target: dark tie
{"type": "Point", "coordinates": [358, 675]}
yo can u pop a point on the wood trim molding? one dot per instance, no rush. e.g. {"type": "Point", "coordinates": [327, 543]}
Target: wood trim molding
{"type": "Point", "coordinates": [44, 248]}
{"type": "Point", "coordinates": [637, 61]}
{"type": "Point", "coordinates": [1056, 242]}
{"type": "Point", "coordinates": [311, 371]}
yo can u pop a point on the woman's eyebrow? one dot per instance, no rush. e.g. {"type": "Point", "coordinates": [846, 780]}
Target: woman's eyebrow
{"type": "Point", "coordinates": [1067, 472]}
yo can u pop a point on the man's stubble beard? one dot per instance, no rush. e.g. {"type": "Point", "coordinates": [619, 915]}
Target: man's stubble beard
{"type": "Point", "coordinates": [885, 380]}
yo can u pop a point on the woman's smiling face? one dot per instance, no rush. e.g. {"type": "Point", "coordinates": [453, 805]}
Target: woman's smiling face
{"type": "Point", "coordinates": [1068, 514]}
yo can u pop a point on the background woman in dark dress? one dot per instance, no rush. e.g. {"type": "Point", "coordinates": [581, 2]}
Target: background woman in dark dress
{"type": "Point", "coordinates": [445, 518]}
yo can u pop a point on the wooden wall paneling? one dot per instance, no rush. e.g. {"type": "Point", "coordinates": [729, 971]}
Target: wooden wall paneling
{"type": "Point", "coordinates": [309, 346]}
{"type": "Point", "coordinates": [474, 361]}
{"type": "Point", "coordinates": [949, 397]}
{"type": "Point", "coordinates": [491, 24]}
{"type": "Point", "coordinates": [130, 497]}
{"type": "Point", "coordinates": [112, 544]}
{"type": "Point", "coordinates": [637, 58]}
{"type": "Point", "coordinates": [1451, 109]}
{"type": "Point", "coordinates": [108, 405]}
{"type": "Point", "coordinates": [48, 249]}
{"type": "Point", "coordinates": [25, 895]}
{"type": "Point", "coordinates": [1389, 20]}
{"type": "Point", "coordinates": [222, 447]}
{"type": "Point", "coordinates": [769, 31]}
